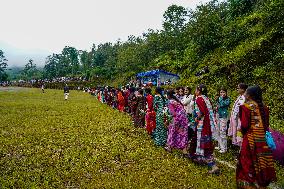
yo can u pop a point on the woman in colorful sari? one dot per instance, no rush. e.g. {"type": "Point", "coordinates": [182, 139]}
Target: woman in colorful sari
{"type": "Point", "coordinates": [235, 125]}
{"type": "Point", "coordinates": [150, 113]}
{"type": "Point", "coordinates": [201, 146]}
{"type": "Point", "coordinates": [178, 128]}
{"type": "Point", "coordinates": [99, 95]}
{"type": "Point", "coordinates": [188, 102]}
{"type": "Point", "coordinates": [132, 102]}
{"type": "Point", "coordinates": [120, 101]}
{"type": "Point", "coordinates": [160, 132]}
{"type": "Point", "coordinates": [102, 96]}
{"type": "Point", "coordinates": [255, 168]}
{"type": "Point", "coordinates": [139, 117]}
{"type": "Point", "coordinates": [109, 99]}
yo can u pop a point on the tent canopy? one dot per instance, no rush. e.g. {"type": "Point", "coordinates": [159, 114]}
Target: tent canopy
{"type": "Point", "coordinates": [157, 77]}
{"type": "Point", "coordinates": [155, 73]}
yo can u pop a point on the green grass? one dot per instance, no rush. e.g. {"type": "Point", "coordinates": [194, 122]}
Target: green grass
{"type": "Point", "coordinates": [46, 142]}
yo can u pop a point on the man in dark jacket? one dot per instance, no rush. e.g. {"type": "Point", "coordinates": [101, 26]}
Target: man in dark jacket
{"type": "Point", "coordinates": [66, 91]}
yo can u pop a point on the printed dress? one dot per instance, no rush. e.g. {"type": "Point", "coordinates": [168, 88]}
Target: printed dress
{"type": "Point", "coordinates": [139, 117]}
{"type": "Point", "coordinates": [150, 115]}
{"type": "Point", "coordinates": [178, 128]}
{"type": "Point", "coordinates": [201, 146]}
{"type": "Point", "coordinates": [235, 125]}
{"type": "Point", "coordinates": [132, 102]}
{"type": "Point", "coordinates": [256, 164]}
{"type": "Point", "coordinates": [120, 101]}
{"type": "Point", "coordinates": [160, 132]}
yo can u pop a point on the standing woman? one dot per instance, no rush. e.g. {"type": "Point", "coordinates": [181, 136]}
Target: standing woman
{"type": "Point", "coordinates": [235, 126]}
{"type": "Point", "coordinates": [201, 146]}
{"type": "Point", "coordinates": [178, 128]}
{"type": "Point", "coordinates": [160, 132]}
{"type": "Point", "coordinates": [188, 103]}
{"type": "Point", "coordinates": [120, 100]}
{"type": "Point", "coordinates": [139, 120]}
{"type": "Point", "coordinates": [132, 102]}
{"type": "Point", "coordinates": [255, 165]}
{"type": "Point", "coordinates": [150, 113]}
{"type": "Point", "coordinates": [223, 103]}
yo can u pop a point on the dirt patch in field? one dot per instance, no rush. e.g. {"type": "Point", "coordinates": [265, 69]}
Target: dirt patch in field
{"type": "Point", "coordinates": [12, 89]}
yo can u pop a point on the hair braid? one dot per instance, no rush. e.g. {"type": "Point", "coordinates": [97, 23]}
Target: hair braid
{"type": "Point", "coordinates": [261, 109]}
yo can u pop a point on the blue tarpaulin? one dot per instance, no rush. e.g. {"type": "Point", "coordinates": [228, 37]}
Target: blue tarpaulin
{"type": "Point", "coordinates": [157, 77]}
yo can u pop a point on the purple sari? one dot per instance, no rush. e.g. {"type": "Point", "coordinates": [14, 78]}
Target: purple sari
{"type": "Point", "coordinates": [178, 128]}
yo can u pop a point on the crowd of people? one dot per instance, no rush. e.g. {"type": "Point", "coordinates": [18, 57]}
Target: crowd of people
{"type": "Point", "coordinates": [191, 123]}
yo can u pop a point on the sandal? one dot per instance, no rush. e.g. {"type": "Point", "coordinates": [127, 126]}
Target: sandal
{"type": "Point", "coordinates": [168, 149]}
{"type": "Point", "coordinates": [215, 170]}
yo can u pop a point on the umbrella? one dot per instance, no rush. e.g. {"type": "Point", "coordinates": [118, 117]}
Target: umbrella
{"type": "Point", "coordinates": [278, 153]}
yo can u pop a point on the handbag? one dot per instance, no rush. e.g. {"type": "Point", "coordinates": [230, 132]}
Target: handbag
{"type": "Point", "coordinates": [269, 140]}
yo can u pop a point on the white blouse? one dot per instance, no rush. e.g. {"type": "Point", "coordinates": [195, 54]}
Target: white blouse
{"type": "Point", "coordinates": [236, 108]}
{"type": "Point", "coordinates": [188, 103]}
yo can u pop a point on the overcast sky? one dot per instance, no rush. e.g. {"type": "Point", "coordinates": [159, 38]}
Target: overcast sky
{"type": "Point", "coordinates": [36, 28]}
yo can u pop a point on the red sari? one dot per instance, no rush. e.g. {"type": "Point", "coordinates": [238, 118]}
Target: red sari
{"type": "Point", "coordinates": [201, 144]}
{"type": "Point", "coordinates": [121, 101]}
{"type": "Point", "coordinates": [256, 164]}
{"type": "Point", "coordinates": [150, 115]}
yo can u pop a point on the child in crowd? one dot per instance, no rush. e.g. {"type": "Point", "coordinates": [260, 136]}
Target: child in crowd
{"type": "Point", "coordinates": [223, 103]}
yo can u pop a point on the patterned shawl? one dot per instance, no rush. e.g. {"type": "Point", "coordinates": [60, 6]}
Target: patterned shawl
{"type": "Point", "coordinates": [260, 152]}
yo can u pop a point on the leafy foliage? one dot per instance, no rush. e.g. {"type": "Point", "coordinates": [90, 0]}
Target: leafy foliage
{"type": "Point", "coordinates": [30, 71]}
{"type": "Point", "coordinates": [3, 66]}
{"type": "Point", "coordinates": [238, 40]}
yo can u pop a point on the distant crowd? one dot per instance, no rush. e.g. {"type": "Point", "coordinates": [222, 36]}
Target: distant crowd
{"type": "Point", "coordinates": [196, 125]}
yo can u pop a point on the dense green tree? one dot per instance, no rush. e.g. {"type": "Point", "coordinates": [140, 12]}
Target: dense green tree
{"type": "Point", "coordinates": [3, 66]}
{"type": "Point", "coordinates": [238, 40]}
{"type": "Point", "coordinates": [30, 71]}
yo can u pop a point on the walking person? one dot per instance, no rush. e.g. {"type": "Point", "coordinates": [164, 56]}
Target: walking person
{"type": "Point", "coordinates": [255, 168]}
{"type": "Point", "coordinates": [201, 145]}
{"type": "Point", "coordinates": [66, 91]}
{"type": "Point", "coordinates": [235, 125]}
{"type": "Point", "coordinates": [42, 88]}
{"type": "Point", "coordinates": [223, 103]}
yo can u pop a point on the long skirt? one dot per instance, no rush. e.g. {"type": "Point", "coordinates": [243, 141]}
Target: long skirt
{"type": "Point", "coordinates": [160, 133]}
{"type": "Point", "coordinates": [150, 121]}
{"type": "Point", "coordinates": [235, 131]}
{"type": "Point", "coordinates": [178, 134]}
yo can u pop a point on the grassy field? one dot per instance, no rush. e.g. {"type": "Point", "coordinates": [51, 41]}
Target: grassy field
{"type": "Point", "coordinates": [47, 142]}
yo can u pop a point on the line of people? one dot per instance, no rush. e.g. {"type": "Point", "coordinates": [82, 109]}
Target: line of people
{"type": "Point", "coordinates": [177, 119]}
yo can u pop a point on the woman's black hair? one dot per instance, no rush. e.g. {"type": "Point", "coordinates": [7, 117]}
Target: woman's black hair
{"type": "Point", "coordinates": [202, 88]}
{"type": "Point", "coordinates": [243, 86]}
{"type": "Point", "coordinates": [171, 95]}
{"type": "Point", "coordinates": [132, 89]}
{"type": "Point", "coordinates": [148, 91]}
{"type": "Point", "coordinates": [159, 91]}
{"type": "Point", "coordinates": [224, 89]}
{"type": "Point", "coordinates": [255, 94]}
{"type": "Point", "coordinates": [140, 91]}
{"type": "Point", "coordinates": [188, 88]}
